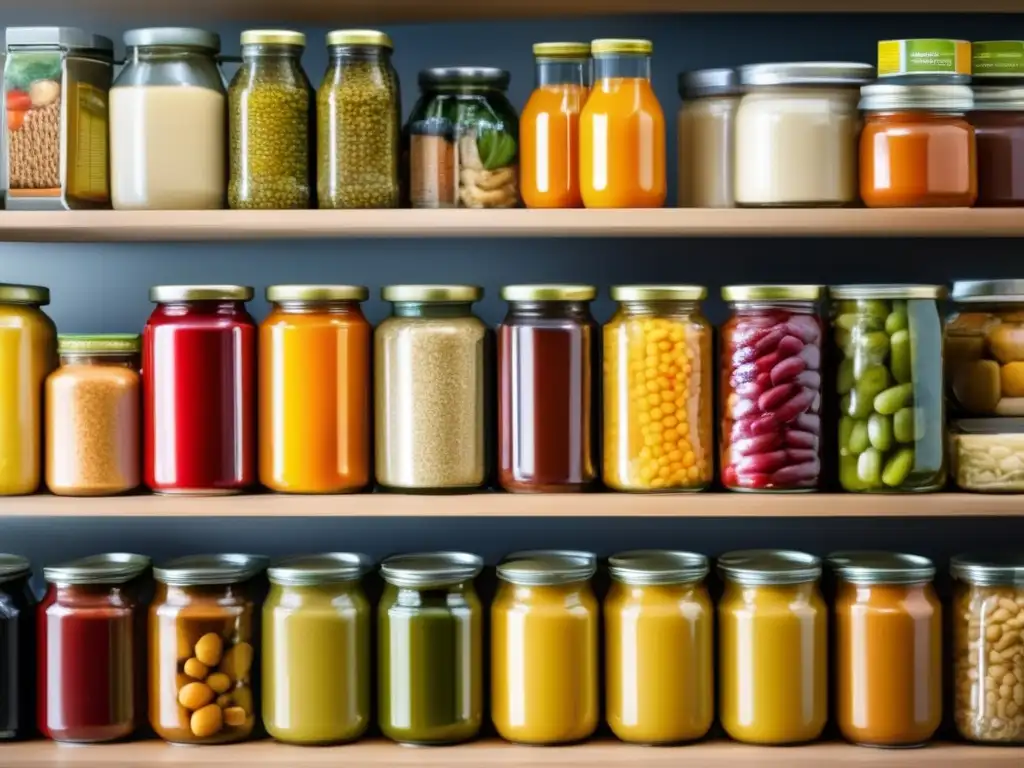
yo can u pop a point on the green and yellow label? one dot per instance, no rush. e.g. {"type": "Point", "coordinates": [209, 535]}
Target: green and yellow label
{"type": "Point", "coordinates": [999, 58]}
{"type": "Point", "coordinates": [926, 56]}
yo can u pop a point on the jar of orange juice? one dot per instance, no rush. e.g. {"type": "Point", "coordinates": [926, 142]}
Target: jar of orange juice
{"type": "Point", "coordinates": [622, 130]}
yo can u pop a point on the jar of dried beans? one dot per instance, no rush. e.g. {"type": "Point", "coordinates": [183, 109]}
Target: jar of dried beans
{"type": "Point", "coordinates": [771, 388]}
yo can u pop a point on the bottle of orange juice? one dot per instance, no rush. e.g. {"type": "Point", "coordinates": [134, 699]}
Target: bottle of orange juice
{"type": "Point", "coordinates": [622, 130]}
{"type": "Point", "coordinates": [549, 126]}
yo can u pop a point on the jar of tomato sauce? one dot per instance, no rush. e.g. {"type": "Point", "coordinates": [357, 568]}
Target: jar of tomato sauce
{"type": "Point", "coordinates": [199, 381]}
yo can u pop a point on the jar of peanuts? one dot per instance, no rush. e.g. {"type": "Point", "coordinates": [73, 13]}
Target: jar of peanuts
{"type": "Point", "coordinates": [988, 623]}
{"type": "Point", "coordinates": [658, 390]}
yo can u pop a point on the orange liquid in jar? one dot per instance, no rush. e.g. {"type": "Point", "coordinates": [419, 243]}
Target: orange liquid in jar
{"type": "Point", "coordinates": [549, 146]}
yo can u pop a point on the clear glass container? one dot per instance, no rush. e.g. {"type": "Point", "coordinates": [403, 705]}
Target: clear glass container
{"type": "Point", "coordinates": [888, 342]}
{"type": "Point", "coordinates": [18, 664]}
{"type": "Point", "coordinates": [998, 121]}
{"type": "Point", "coordinates": [658, 390]}
{"type": "Point", "coordinates": [770, 391]}
{"type": "Point", "coordinates": [987, 455]}
{"type": "Point", "coordinates": [705, 127]}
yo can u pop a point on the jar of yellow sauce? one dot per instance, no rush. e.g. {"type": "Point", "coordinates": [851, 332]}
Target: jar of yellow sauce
{"type": "Point", "coordinates": [544, 625]}
{"type": "Point", "coordinates": [773, 647]}
{"type": "Point", "coordinates": [28, 353]}
{"type": "Point", "coordinates": [658, 629]}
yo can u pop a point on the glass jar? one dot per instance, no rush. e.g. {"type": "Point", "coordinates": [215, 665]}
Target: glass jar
{"type": "Point", "coordinates": [773, 647]}
{"type": "Point", "coordinates": [771, 388]}
{"type": "Point", "coordinates": [998, 121]}
{"type": "Point", "coordinates": [888, 649]}
{"type": "Point", "coordinates": [56, 86]}
{"type": "Point", "coordinates": [169, 122]}
{"type": "Point", "coordinates": [430, 363]}
{"type": "Point", "coordinates": [462, 134]}
{"type": "Point", "coordinates": [705, 127]}
{"type": "Point", "coordinates": [658, 634]}
{"type": "Point", "coordinates": [544, 648]}
{"type": "Point", "coordinates": [89, 652]}
{"type": "Point", "coordinates": [988, 672]}
{"type": "Point", "coordinates": [359, 121]}
{"type": "Point", "coordinates": [17, 649]}
{"type": "Point", "coordinates": [549, 129]}
{"type": "Point", "coordinates": [270, 123]}
{"type": "Point", "coordinates": [203, 649]}
{"type": "Point", "coordinates": [888, 342]}
{"type": "Point", "coordinates": [987, 455]}
{"type": "Point", "coordinates": [93, 416]}
{"type": "Point", "coordinates": [658, 405]}
{"type": "Point", "coordinates": [796, 134]}
{"type": "Point", "coordinates": [199, 403]}
{"type": "Point", "coordinates": [622, 130]}
{"type": "Point", "coordinates": [316, 650]}
{"type": "Point", "coordinates": [917, 149]}
{"type": "Point", "coordinates": [315, 390]}
{"type": "Point", "coordinates": [545, 381]}
{"type": "Point", "coordinates": [430, 654]}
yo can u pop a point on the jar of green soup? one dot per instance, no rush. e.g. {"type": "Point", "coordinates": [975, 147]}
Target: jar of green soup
{"type": "Point", "coordinates": [316, 636]}
{"type": "Point", "coordinates": [430, 655]}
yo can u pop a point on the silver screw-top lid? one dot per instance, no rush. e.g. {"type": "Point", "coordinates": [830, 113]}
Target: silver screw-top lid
{"type": "Point", "coordinates": [644, 567]}
{"type": "Point", "coordinates": [994, 570]}
{"type": "Point", "coordinates": [13, 567]}
{"type": "Point", "coordinates": [547, 567]}
{"type": "Point", "coordinates": [985, 291]}
{"type": "Point", "coordinates": [481, 77]}
{"type": "Point", "coordinates": [709, 82]}
{"type": "Point", "coordinates": [755, 567]}
{"type": "Point", "coordinates": [200, 570]}
{"type": "Point", "coordinates": [807, 73]}
{"type": "Point", "coordinates": [869, 567]}
{"type": "Point", "coordinates": [109, 568]}
{"type": "Point", "coordinates": [882, 97]}
{"type": "Point", "coordinates": [424, 570]}
{"type": "Point", "coordinates": [70, 38]}
{"type": "Point", "coordinates": [312, 570]}
{"type": "Point", "coordinates": [184, 36]}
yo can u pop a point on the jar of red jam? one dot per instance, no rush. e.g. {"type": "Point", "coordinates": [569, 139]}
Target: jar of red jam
{"type": "Point", "coordinates": [771, 388]}
{"type": "Point", "coordinates": [199, 382]}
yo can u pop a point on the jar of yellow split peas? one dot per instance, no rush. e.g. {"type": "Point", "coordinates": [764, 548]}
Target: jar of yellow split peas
{"type": "Point", "coordinates": [658, 404]}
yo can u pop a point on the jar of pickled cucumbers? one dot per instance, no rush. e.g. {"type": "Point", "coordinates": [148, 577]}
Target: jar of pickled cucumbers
{"type": "Point", "coordinates": [888, 341]}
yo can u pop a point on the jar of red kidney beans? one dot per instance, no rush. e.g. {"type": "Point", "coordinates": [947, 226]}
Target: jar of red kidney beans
{"type": "Point", "coordinates": [199, 398]}
{"type": "Point", "coordinates": [771, 388]}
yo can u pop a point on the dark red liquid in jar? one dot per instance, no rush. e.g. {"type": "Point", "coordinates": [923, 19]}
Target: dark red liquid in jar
{"type": "Point", "coordinates": [1000, 141]}
{"type": "Point", "coordinates": [198, 378]}
{"type": "Point", "coordinates": [771, 400]}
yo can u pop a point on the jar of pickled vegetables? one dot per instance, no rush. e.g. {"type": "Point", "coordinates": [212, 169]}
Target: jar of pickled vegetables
{"type": "Point", "coordinates": [771, 388]}
{"type": "Point", "coordinates": [888, 341]}
{"type": "Point", "coordinates": [658, 403]}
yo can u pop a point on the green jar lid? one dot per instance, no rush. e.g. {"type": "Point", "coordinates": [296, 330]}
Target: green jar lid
{"type": "Point", "coordinates": [870, 567]}
{"type": "Point", "coordinates": [11, 293]}
{"type": "Point", "coordinates": [112, 568]}
{"type": "Point", "coordinates": [312, 570]}
{"type": "Point", "coordinates": [998, 59]}
{"type": "Point", "coordinates": [110, 343]}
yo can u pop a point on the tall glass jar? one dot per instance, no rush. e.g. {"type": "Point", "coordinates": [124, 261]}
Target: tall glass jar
{"type": "Point", "coordinates": [773, 647]}
{"type": "Point", "coordinates": [658, 401]}
{"type": "Point", "coordinates": [359, 122]}
{"type": "Point", "coordinates": [998, 120]}
{"type": "Point", "coordinates": [89, 652]}
{"type": "Point", "coordinates": [988, 672]}
{"type": "Point", "coordinates": [705, 128]}
{"type": "Point", "coordinates": [430, 653]}
{"type": "Point", "coordinates": [17, 649]}
{"type": "Point", "coordinates": [770, 390]}
{"type": "Point", "coordinates": [28, 352]}
{"type": "Point", "coordinates": [658, 634]}
{"type": "Point", "coordinates": [203, 648]}
{"type": "Point", "coordinates": [430, 363]}
{"type": "Point", "coordinates": [270, 122]}
{"type": "Point", "coordinates": [892, 409]}
{"type": "Point", "coordinates": [622, 130]}
{"type": "Point", "coordinates": [549, 128]}
{"type": "Point", "coordinates": [545, 389]}
{"type": "Point", "coordinates": [93, 416]}
{"type": "Point", "coordinates": [316, 650]}
{"type": "Point", "coordinates": [315, 390]}
{"type": "Point", "coordinates": [888, 649]}
{"type": "Point", "coordinates": [199, 403]}
{"type": "Point", "coordinates": [169, 122]}
{"type": "Point", "coordinates": [463, 140]}
{"type": "Point", "coordinates": [544, 648]}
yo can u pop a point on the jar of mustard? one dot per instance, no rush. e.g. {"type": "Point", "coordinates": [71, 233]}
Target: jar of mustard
{"type": "Point", "coordinates": [772, 647]}
{"type": "Point", "coordinates": [544, 626]}
{"type": "Point", "coordinates": [658, 628]}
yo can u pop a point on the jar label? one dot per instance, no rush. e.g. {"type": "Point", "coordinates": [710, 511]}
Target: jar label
{"type": "Point", "coordinates": [999, 58]}
{"type": "Point", "coordinates": [923, 57]}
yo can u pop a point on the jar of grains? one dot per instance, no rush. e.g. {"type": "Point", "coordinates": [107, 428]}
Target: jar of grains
{"type": "Point", "coordinates": [988, 647]}
{"type": "Point", "coordinates": [358, 109]}
{"type": "Point", "coordinates": [430, 359]}
{"type": "Point", "coordinates": [93, 404]}
{"type": "Point", "coordinates": [270, 104]}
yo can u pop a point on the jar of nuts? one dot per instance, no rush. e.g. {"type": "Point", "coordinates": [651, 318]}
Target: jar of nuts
{"type": "Point", "coordinates": [202, 650]}
{"type": "Point", "coordinates": [988, 624]}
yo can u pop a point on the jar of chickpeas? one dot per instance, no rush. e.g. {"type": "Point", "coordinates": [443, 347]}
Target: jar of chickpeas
{"type": "Point", "coordinates": [658, 390]}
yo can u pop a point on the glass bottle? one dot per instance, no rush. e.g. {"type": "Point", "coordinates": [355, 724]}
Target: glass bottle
{"type": "Point", "coordinates": [18, 663]}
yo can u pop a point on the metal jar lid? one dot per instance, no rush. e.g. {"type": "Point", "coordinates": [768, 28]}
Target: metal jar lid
{"type": "Point", "coordinates": [549, 293]}
{"type": "Point", "coordinates": [843, 73]}
{"type": "Point", "coordinates": [432, 294]}
{"type": "Point", "coordinates": [111, 568]}
{"type": "Point", "coordinates": [886, 97]}
{"type": "Point", "coordinates": [71, 38]}
{"type": "Point", "coordinates": [702, 83]}
{"type": "Point", "coordinates": [561, 50]}
{"type": "Point", "coordinates": [367, 37]}
{"type": "Point", "coordinates": [773, 292]}
{"type": "Point", "coordinates": [312, 570]}
{"type": "Point", "coordinates": [273, 37]}
{"type": "Point", "coordinates": [547, 567]}
{"type": "Point", "coordinates": [755, 567]}
{"type": "Point", "coordinates": [989, 570]}
{"type": "Point", "coordinates": [315, 293]}
{"type": "Point", "coordinates": [992, 426]}
{"type": "Point", "coordinates": [999, 98]}
{"type": "Point", "coordinates": [887, 291]}
{"type": "Point", "coordinates": [424, 570]}
{"type": "Point", "coordinates": [658, 292]}
{"type": "Point", "coordinates": [161, 294]}
{"type": "Point", "coordinates": [11, 293]}
{"type": "Point", "coordinates": [644, 567]}
{"type": "Point", "coordinates": [478, 77]}
{"type": "Point", "coordinates": [99, 344]}
{"type": "Point", "coordinates": [987, 291]}
{"type": "Point", "coordinates": [13, 567]}
{"type": "Point", "coordinates": [869, 567]}
{"type": "Point", "coordinates": [614, 46]}
{"type": "Point", "coordinates": [202, 570]}
{"type": "Point", "coordinates": [190, 37]}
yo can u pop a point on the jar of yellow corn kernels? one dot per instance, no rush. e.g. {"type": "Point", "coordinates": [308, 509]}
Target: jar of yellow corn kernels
{"type": "Point", "coordinates": [658, 404]}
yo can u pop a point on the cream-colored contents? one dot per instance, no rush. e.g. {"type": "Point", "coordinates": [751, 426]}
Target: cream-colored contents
{"type": "Point", "coordinates": [705, 133]}
{"type": "Point", "coordinates": [988, 462]}
{"type": "Point", "coordinates": [167, 148]}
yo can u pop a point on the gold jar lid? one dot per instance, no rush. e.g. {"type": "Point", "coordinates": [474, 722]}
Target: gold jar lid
{"type": "Point", "coordinates": [610, 46]}
{"type": "Point", "coordinates": [436, 294]}
{"type": "Point", "coordinates": [658, 292]}
{"type": "Point", "coordinates": [106, 343]}
{"type": "Point", "coordinates": [273, 37]}
{"type": "Point", "coordinates": [10, 293]}
{"type": "Point", "coordinates": [887, 291]}
{"type": "Point", "coordinates": [359, 37]}
{"type": "Point", "coordinates": [773, 292]}
{"type": "Point", "coordinates": [163, 294]}
{"type": "Point", "coordinates": [312, 293]}
{"type": "Point", "coordinates": [549, 293]}
{"type": "Point", "coordinates": [561, 50]}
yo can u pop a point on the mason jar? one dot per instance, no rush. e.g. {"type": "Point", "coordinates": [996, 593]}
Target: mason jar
{"type": "Point", "coordinates": [18, 660]}
{"type": "Point", "coordinates": [705, 127]}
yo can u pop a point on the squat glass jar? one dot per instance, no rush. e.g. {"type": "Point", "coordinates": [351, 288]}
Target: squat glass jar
{"type": "Point", "coordinates": [18, 666]}
{"type": "Point", "coordinates": [998, 120]}
{"type": "Point", "coordinates": [888, 341]}
{"type": "Point", "coordinates": [705, 128]}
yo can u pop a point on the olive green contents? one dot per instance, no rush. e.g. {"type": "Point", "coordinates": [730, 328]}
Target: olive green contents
{"type": "Point", "coordinates": [890, 383]}
{"type": "Point", "coordinates": [430, 664]}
